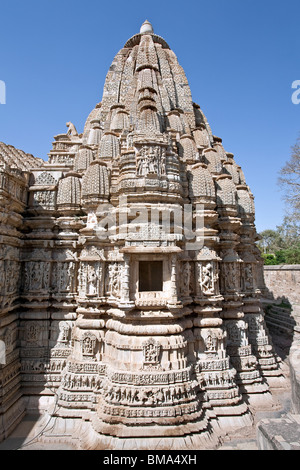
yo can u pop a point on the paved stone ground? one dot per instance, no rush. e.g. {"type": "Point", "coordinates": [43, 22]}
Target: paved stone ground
{"type": "Point", "coordinates": [25, 436]}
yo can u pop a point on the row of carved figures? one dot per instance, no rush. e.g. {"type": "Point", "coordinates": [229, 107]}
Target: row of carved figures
{"type": "Point", "coordinates": [236, 336]}
{"type": "Point", "coordinates": [101, 278]}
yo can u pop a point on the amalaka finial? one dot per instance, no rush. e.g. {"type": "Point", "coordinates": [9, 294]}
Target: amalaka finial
{"type": "Point", "coordinates": [146, 28]}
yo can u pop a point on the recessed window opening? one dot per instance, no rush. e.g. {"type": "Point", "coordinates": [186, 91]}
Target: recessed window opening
{"type": "Point", "coordinates": [150, 276]}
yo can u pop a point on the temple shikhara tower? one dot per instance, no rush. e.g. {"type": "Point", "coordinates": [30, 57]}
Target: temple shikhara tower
{"type": "Point", "coordinates": [130, 280]}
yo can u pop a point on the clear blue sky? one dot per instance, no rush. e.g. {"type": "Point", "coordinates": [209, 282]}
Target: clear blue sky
{"type": "Point", "coordinates": [240, 58]}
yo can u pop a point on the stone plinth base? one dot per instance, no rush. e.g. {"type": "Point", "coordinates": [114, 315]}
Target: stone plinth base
{"type": "Point", "coordinates": [206, 434]}
{"type": "Point", "coordinates": [81, 436]}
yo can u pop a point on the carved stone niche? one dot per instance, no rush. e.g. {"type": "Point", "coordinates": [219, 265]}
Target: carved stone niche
{"type": "Point", "coordinates": [88, 346]}
{"type": "Point", "coordinates": [230, 282]}
{"type": "Point", "coordinates": [9, 336]}
{"type": "Point", "coordinates": [211, 343]}
{"type": "Point", "coordinates": [9, 277]}
{"type": "Point", "coordinates": [207, 276]}
{"type": "Point", "coordinates": [42, 195]}
{"type": "Point", "coordinates": [63, 278]}
{"type": "Point", "coordinates": [256, 329]}
{"type": "Point", "coordinates": [248, 273]}
{"type": "Point", "coordinates": [63, 332]}
{"type": "Point", "coordinates": [151, 161]}
{"type": "Point", "coordinates": [153, 280]}
{"type": "Point", "coordinates": [91, 273]}
{"type": "Point", "coordinates": [32, 332]}
{"type": "Point", "coordinates": [230, 277]}
{"type": "Point", "coordinates": [151, 355]}
{"type": "Point", "coordinates": [91, 279]}
{"type": "Point", "coordinates": [247, 281]}
{"type": "Point", "coordinates": [237, 338]}
{"type": "Point", "coordinates": [186, 279]}
{"type": "Point", "coordinates": [36, 277]}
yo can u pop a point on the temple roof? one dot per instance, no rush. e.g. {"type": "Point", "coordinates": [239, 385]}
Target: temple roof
{"type": "Point", "coordinates": [16, 158]}
{"type": "Point", "coordinates": [146, 62]}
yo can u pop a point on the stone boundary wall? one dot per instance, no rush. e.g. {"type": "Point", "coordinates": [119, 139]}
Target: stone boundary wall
{"type": "Point", "coordinates": [282, 291]}
{"type": "Point", "coordinates": [283, 281]}
{"type": "Point", "coordinates": [282, 287]}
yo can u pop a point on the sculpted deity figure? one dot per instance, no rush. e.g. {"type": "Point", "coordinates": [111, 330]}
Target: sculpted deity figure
{"type": "Point", "coordinates": [36, 276]}
{"type": "Point", "coordinates": [143, 164]}
{"type": "Point", "coordinates": [140, 167]}
{"type": "Point", "coordinates": [211, 342]}
{"type": "Point", "coordinates": [186, 278]}
{"type": "Point", "coordinates": [64, 332]}
{"type": "Point", "coordinates": [151, 160]}
{"type": "Point", "coordinates": [92, 281]}
{"type": "Point", "coordinates": [88, 343]}
{"type": "Point", "coordinates": [248, 276]}
{"type": "Point", "coordinates": [66, 276]}
{"type": "Point", "coordinates": [230, 276]}
{"type": "Point", "coordinates": [206, 278]}
{"type": "Point", "coordinates": [114, 280]}
{"type": "Point", "coordinates": [163, 162]}
{"type": "Point", "coordinates": [151, 350]}
{"type": "Point", "coordinates": [150, 353]}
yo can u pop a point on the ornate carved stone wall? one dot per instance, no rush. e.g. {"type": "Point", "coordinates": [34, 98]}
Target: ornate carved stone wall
{"type": "Point", "coordinates": [137, 294]}
{"type": "Point", "coordinates": [14, 178]}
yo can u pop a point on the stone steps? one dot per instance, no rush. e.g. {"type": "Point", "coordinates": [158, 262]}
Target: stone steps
{"type": "Point", "coordinates": [282, 319]}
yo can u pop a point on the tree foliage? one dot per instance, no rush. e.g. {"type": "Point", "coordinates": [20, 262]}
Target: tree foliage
{"type": "Point", "coordinates": [281, 246]}
{"type": "Point", "coordinates": [289, 181]}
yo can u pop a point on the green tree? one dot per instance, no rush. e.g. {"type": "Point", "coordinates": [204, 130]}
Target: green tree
{"type": "Point", "coordinates": [281, 246]}
{"type": "Point", "coordinates": [289, 255]}
{"type": "Point", "coordinates": [269, 259]}
{"type": "Point", "coordinates": [280, 257]}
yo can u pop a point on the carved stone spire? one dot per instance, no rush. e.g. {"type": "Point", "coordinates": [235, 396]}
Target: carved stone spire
{"type": "Point", "coordinates": [140, 299]}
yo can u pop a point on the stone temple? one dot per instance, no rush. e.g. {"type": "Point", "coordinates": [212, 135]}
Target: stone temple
{"type": "Point", "coordinates": [129, 279]}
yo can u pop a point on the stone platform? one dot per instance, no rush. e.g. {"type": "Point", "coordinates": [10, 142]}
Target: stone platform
{"type": "Point", "coordinates": [279, 434]}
